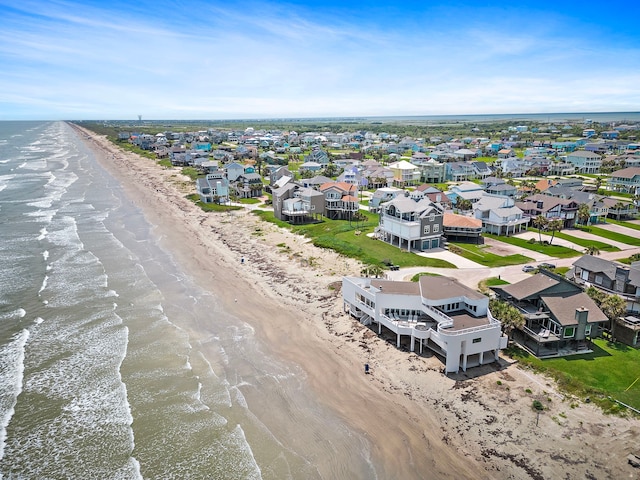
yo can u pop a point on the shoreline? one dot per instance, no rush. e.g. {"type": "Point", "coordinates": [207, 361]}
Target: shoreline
{"type": "Point", "coordinates": [420, 423]}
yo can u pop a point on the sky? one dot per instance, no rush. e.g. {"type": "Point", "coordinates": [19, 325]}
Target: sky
{"type": "Point", "coordinates": [191, 59]}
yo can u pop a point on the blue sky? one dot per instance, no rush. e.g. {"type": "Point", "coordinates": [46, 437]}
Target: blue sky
{"type": "Point", "coordinates": [189, 59]}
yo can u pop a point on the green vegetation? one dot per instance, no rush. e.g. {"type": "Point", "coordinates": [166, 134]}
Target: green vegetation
{"type": "Point", "coordinates": [629, 260]}
{"type": "Point", "coordinates": [622, 223]}
{"type": "Point", "coordinates": [137, 150]}
{"type": "Point", "coordinates": [562, 270]}
{"type": "Point", "coordinates": [616, 237]}
{"type": "Point", "coordinates": [481, 255]}
{"type": "Point", "coordinates": [192, 173]}
{"type": "Point", "coordinates": [211, 207]}
{"type": "Point", "coordinates": [350, 240]}
{"type": "Point", "coordinates": [165, 162]}
{"type": "Point", "coordinates": [603, 247]}
{"type": "Point", "coordinates": [483, 285]}
{"type": "Point", "coordinates": [417, 276]}
{"type": "Point", "coordinates": [249, 201]}
{"type": "Point", "coordinates": [609, 371]}
{"type": "Point", "coordinates": [552, 250]}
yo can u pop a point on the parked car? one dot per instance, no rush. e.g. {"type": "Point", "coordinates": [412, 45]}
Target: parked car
{"type": "Point", "coordinates": [528, 268]}
{"type": "Point", "coordinates": [547, 265]}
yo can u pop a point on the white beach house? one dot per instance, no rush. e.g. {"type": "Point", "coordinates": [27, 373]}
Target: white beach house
{"type": "Point", "coordinates": [437, 312]}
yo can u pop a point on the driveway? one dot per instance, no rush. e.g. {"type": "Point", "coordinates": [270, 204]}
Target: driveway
{"type": "Point", "coordinates": [470, 273]}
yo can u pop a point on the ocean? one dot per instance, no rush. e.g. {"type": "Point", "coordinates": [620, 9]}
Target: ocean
{"type": "Point", "coordinates": [100, 376]}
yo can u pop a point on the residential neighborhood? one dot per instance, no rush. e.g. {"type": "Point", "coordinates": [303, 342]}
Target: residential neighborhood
{"type": "Point", "coordinates": [446, 196]}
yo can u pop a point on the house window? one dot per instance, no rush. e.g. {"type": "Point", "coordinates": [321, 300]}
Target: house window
{"type": "Point", "coordinates": [427, 229]}
{"type": "Point", "coordinates": [477, 340]}
{"type": "Point", "coordinates": [587, 330]}
{"type": "Point", "coordinates": [432, 217]}
{"type": "Point", "coordinates": [436, 228]}
{"type": "Point", "coordinates": [569, 332]}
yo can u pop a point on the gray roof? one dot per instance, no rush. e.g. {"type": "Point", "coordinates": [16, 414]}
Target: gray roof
{"type": "Point", "coordinates": [596, 264]}
{"type": "Point", "coordinates": [439, 288]}
{"type": "Point", "coordinates": [398, 288]}
{"type": "Point", "coordinates": [563, 309]}
{"type": "Point", "coordinates": [531, 286]}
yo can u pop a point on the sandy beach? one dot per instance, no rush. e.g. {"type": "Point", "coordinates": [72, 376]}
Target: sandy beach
{"type": "Point", "coordinates": [421, 423]}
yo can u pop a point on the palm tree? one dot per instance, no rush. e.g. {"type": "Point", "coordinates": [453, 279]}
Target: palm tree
{"type": "Point", "coordinates": [540, 223]}
{"type": "Point", "coordinates": [508, 315]}
{"type": "Point", "coordinates": [599, 181]}
{"type": "Point", "coordinates": [555, 226]}
{"type": "Point", "coordinates": [618, 207]}
{"type": "Point", "coordinates": [592, 250]}
{"type": "Point", "coordinates": [371, 270]}
{"type": "Point", "coordinates": [584, 213]}
{"type": "Point", "coordinates": [614, 306]}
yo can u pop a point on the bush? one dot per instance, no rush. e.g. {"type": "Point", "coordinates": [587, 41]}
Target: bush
{"type": "Point", "coordinates": [531, 241]}
{"type": "Point", "coordinates": [537, 405]}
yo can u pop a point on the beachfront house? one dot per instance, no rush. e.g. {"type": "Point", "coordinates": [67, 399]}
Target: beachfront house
{"type": "Point", "coordinates": [341, 200]}
{"type": "Point", "coordinates": [213, 188]}
{"type": "Point", "coordinates": [438, 313]}
{"type": "Point", "coordinates": [560, 319]}
{"type": "Point", "coordinates": [410, 224]}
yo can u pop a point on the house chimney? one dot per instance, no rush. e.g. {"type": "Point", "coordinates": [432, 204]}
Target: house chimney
{"type": "Point", "coordinates": [581, 315]}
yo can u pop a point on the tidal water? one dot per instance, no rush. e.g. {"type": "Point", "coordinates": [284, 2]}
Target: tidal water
{"type": "Point", "coordinates": [99, 375]}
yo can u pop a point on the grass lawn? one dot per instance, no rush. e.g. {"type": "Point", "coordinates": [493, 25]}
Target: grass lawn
{"type": "Point", "coordinates": [211, 207]}
{"type": "Point", "coordinates": [417, 276]}
{"type": "Point", "coordinates": [340, 236]}
{"type": "Point", "coordinates": [603, 247]}
{"type": "Point", "coordinates": [249, 201]}
{"type": "Point", "coordinates": [609, 371]}
{"type": "Point", "coordinates": [481, 255]}
{"type": "Point", "coordinates": [555, 251]}
{"type": "Point", "coordinates": [483, 285]}
{"type": "Point", "coordinates": [622, 223]}
{"type": "Point", "coordinates": [616, 237]}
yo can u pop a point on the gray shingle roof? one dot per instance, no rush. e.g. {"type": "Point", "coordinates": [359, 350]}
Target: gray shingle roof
{"type": "Point", "coordinates": [528, 287]}
{"type": "Point", "coordinates": [564, 309]}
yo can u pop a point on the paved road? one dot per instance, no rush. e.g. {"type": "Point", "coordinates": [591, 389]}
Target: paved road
{"type": "Point", "coordinates": [471, 275]}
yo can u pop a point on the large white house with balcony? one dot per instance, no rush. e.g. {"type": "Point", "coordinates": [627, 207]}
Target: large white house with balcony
{"type": "Point", "coordinates": [437, 312]}
{"type": "Point", "coordinates": [413, 224]}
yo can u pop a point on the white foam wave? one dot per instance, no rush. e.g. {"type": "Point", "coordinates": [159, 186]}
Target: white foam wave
{"type": "Point", "coordinates": [11, 377]}
{"type": "Point", "coordinates": [38, 320]}
{"type": "Point", "coordinates": [43, 234]}
{"type": "Point", "coordinates": [44, 284]}
{"type": "Point", "coordinates": [45, 255]}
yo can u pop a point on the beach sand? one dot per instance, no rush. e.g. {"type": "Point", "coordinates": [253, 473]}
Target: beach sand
{"type": "Point", "coordinates": [420, 423]}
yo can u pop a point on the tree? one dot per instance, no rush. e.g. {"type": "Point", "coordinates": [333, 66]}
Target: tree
{"type": "Point", "coordinates": [584, 213]}
{"type": "Point", "coordinates": [614, 307]}
{"type": "Point", "coordinates": [618, 207]}
{"type": "Point", "coordinates": [599, 181]}
{"type": "Point", "coordinates": [592, 250]}
{"type": "Point", "coordinates": [463, 204]}
{"type": "Point", "coordinates": [554, 226]}
{"type": "Point", "coordinates": [540, 223]}
{"type": "Point", "coordinates": [371, 270]}
{"type": "Point", "coordinates": [508, 315]}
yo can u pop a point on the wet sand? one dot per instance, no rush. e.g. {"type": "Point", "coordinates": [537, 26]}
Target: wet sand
{"type": "Point", "coordinates": [421, 424]}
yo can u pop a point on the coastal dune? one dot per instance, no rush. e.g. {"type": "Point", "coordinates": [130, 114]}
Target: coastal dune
{"type": "Point", "coordinates": [419, 423]}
